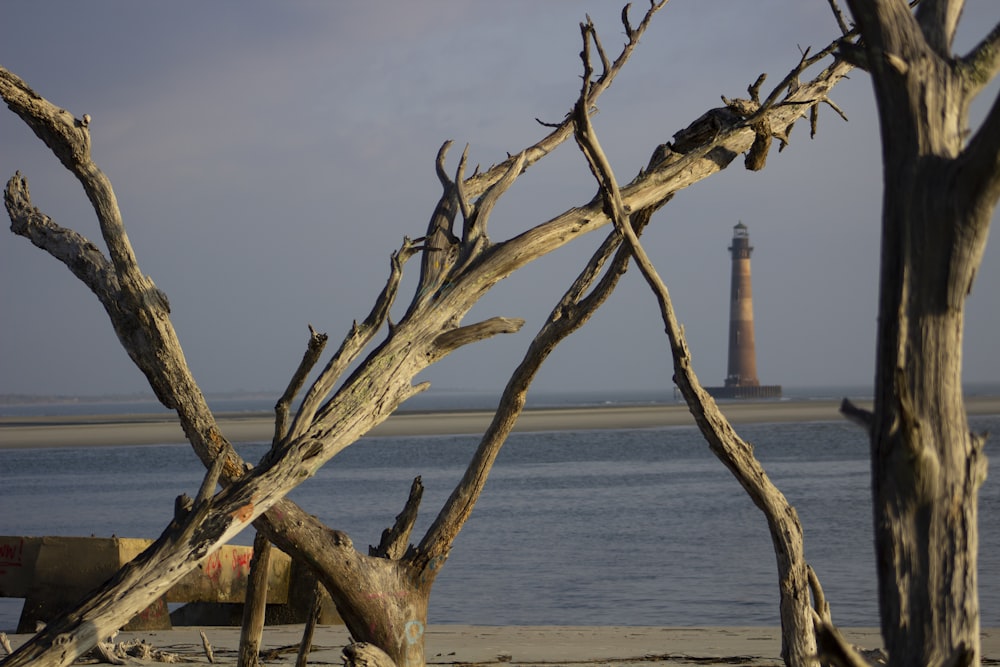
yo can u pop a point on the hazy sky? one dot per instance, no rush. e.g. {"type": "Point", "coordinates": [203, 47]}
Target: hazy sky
{"type": "Point", "coordinates": [268, 157]}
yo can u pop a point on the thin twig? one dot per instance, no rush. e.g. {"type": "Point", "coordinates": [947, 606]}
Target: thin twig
{"type": "Point", "coordinates": [353, 344]}
{"type": "Point", "coordinates": [839, 16]}
{"type": "Point", "coordinates": [302, 659]}
{"type": "Point", "coordinates": [477, 184]}
{"type": "Point", "coordinates": [209, 653]}
{"type": "Point", "coordinates": [314, 349]}
{"type": "Point", "coordinates": [572, 311]}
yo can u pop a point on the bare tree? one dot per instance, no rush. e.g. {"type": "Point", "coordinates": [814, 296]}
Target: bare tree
{"type": "Point", "coordinates": [941, 186]}
{"type": "Point", "coordinates": [381, 595]}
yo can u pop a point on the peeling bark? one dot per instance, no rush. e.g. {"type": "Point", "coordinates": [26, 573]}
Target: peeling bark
{"type": "Point", "coordinates": [939, 197]}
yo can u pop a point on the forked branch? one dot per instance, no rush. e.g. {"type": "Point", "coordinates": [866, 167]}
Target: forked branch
{"type": "Point", "coordinates": [478, 183]}
{"type": "Point", "coordinates": [69, 140]}
{"type": "Point", "coordinates": [798, 643]}
{"type": "Point", "coordinates": [355, 342]}
{"type": "Point", "coordinates": [573, 310]}
{"type": "Point", "coordinates": [396, 538]}
{"type": "Point", "coordinates": [379, 382]}
{"type": "Point", "coordinates": [314, 349]}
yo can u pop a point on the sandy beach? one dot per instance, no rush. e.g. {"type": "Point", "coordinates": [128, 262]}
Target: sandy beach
{"type": "Point", "coordinates": [464, 644]}
{"type": "Point", "coordinates": [163, 429]}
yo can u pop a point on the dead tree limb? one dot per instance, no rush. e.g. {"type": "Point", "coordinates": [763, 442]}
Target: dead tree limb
{"type": "Point", "coordinates": [305, 646]}
{"type": "Point", "coordinates": [144, 327]}
{"type": "Point", "coordinates": [798, 641]}
{"type": "Point", "coordinates": [327, 424]}
{"type": "Point", "coordinates": [396, 538]}
{"type": "Point", "coordinates": [255, 603]}
{"type": "Point", "coordinates": [833, 649]}
{"type": "Point", "coordinates": [189, 538]}
{"type": "Point", "coordinates": [209, 652]}
{"type": "Point", "coordinates": [314, 350]}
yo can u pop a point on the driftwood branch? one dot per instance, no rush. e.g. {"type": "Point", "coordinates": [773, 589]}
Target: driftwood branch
{"type": "Point", "coordinates": [574, 309]}
{"type": "Point", "coordinates": [80, 256]}
{"type": "Point", "coordinates": [982, 63]}
{"type": "Point", "coordinates": [380, 382]}
{"type": "Point", "coordinates": [207, 646]}
{"type": "Point", "coordinates": [833, 649]}
{"type": "Point", "coordinates": [838, 15]}
{"type": "Point", "coordinates": [860, 416]}
{"type": "Point", "coordinates": [364, 654]}
{"type": "Point", "coordinates": [980, 161]}
{"type": "Point", "coordinates": [314, 349]}
{"type": "Point", "coordinates": [798, 642]}
{"type": "Point", "coordinates": [305, 646]}
{"type": "Point", "coordinates": [209, 482]}
{"type": "Point", "coordinates": [184, 544]}
{"type": "Point", "coordinates": [440, 243]}
{"type": "Point", "coordinates": [564, 130]}
{"type": "Point", "coordinates": [474, 233]}
{"type": "Point", "coordinates": [355, 342]}
{"type": "Point", "coordinates": [105, 653]}
{"type": "Point", "coordinates": [255, 603]}
{"type": "Point", "coordinates": [938, 20]}
{"type": "Point", "coordinates": [396, 538]}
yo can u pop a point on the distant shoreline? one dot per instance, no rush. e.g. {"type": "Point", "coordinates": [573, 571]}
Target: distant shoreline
{"type": "Point", "coordinates": [117, 430]}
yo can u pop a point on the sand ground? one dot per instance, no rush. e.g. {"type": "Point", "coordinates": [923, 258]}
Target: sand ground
{"type": "Point", "coordinates": [462, 644]}
{"type": "Point", "coordinates": [564, 646]}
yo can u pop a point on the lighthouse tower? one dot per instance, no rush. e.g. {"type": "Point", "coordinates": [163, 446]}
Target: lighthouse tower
{"type": "Point", "coordinates": [741, 372]}
{"type": "Point", "coordinates": [742, 368]}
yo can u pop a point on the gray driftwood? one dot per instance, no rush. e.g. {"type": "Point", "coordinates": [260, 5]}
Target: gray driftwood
{"type": "Point", "coordinates": [382, 597]}
{"type": "Point", "coordinates": [795, 577]}
{"type": "Point", "coordinates": [941, 185]}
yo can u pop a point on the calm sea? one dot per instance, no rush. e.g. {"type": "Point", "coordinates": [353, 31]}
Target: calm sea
{"type": "Point", "coordinates": [623, 527]}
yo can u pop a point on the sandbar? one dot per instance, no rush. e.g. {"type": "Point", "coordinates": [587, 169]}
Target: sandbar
{"type": "Point", "coordinates": [111, 430]}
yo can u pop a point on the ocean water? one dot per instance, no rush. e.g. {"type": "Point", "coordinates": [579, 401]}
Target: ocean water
{"type": "Point", "coordinates": [622, 527]}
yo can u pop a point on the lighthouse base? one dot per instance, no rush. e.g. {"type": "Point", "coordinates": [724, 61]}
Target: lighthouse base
{"type": "Point", "coordinates": [752, 392]}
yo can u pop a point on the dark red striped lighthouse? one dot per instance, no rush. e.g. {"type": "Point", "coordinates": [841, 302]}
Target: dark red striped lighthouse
{"type": "Point", "coordinates": [742, 368]}
{"type": "Point", "coordinates": [741, 371]}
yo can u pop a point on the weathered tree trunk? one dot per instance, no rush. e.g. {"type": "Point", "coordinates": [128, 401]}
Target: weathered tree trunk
{"type": "Point", "coordinates": [938, 201]}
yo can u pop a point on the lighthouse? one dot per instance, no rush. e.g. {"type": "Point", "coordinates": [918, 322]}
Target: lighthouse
{"type": "Point", "coordinates": [741, 370]}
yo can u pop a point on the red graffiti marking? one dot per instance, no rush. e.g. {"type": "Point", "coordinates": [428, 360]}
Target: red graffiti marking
{"type": "Point", "coordinates": [12, 555]}
{"type": "Point", "coordinates": [213, 566]}
{"type": "Point", "coordinates": [241, 562]}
